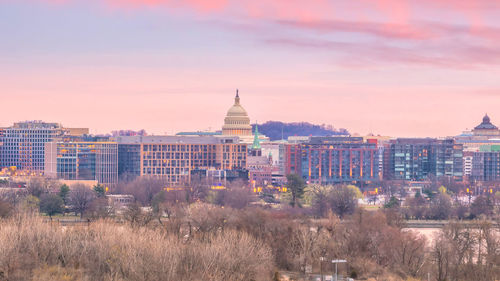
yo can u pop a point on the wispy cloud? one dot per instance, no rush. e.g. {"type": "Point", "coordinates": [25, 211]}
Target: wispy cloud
{"type": "Point", "coordinates": [379, 31]}
{"type": "Point", "coordinates": [463, 56]}
{"type": "Point", "coordinates": [384, 30]}
{"type": "Point", "coordinates": [205, 6]}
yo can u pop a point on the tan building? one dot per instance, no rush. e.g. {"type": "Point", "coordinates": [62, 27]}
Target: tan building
{"type": "Point", "coordinates": [174, 158]}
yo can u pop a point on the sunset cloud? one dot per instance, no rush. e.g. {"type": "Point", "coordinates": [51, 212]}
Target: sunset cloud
{"type": "Point", "coordinates": [204, 6]}
{"type": "Point", "coordinates": [394, 11]}
{"type": "Point", "coordinates": [373, 55]}
{"type": "Point", "coordinates": [384, 30]}
{"type": "Point", "coordinates": [377, 25]}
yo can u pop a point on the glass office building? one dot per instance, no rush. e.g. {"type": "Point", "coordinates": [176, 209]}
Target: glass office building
{"type": "Point", "coordinates": [486, 163]}
{"type": "Point", "coordinates": [23, 144]}
{"type": "Point", "coordinates": [129, 160]}
{"type": "Point", "coordinates": [333, 160]}
{"type": "Point", "coordinates": [417, 159]}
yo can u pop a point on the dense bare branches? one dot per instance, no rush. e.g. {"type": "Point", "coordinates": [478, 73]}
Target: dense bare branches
{"type": "Point", "coordinates": [5, 208]}
{"type": "Point", "coordinates": [177, 239]}
{"type": "Point", "coordinates": [106, 251]}
{"type": "Point", "coordinates": [482, 205]}
{"type": "Point", "coordinates": [80, 198]}
{"type": "Point", "coordinates": [144, 188]}
{"type": "Point", "coordinates": [237, 197]}
{"type": "Point", "coordinates": [462, 252]}
{"type": "Point", "coordinates": [38, 186]}
{"type": "Point", "coordinates": [440, 207]}
{"type": "Point", "coordinates": [341, 200]}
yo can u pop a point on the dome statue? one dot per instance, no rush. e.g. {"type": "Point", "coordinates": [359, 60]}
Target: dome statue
{"type": "Point", "coordinates": [237, 122]}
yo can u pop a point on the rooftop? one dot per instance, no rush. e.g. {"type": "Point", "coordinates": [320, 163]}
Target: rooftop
{"type": "Point", "coordinates": [486, 124]}
{"type": "Point", "coordinates": [176, 139]}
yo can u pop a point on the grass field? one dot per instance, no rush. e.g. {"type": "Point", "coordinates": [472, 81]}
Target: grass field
{"type": "Point", "coordinates": [371, 207]}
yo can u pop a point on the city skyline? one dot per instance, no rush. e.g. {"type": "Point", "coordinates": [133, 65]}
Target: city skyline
{"type": "Point", "coordinates": [394, 68]}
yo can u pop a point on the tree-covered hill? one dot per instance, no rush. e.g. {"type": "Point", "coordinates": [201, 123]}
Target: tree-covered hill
{"type": "Point", "coordinates": [275, 130]}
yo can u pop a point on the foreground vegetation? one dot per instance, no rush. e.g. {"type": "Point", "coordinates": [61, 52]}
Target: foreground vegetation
{"type": "Point", "coordinates": [202, 234]}
{"type": "Point", "coordinates": [105, 250]}
{"type": "Point", "coordinates": [206, 242]}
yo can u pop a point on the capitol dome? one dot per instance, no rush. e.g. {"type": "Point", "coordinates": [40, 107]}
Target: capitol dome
{"type": "Point", "coordinates": [237, 122]}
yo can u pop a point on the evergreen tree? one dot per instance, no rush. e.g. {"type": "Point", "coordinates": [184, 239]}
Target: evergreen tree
{"type": "Point", "coordinates": [63, 192]}
{"type": "Point", "coordinates": [100, 190]}
{"type": "Point", "coordinates": [51, 204]}
{"type": "Point", "coordinates": [295, 185]}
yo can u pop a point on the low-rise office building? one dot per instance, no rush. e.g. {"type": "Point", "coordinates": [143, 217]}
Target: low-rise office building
{"type": "Point", "coordinates": [175, 157]}
{"type": "Point", "coordinates": [82, 161]}
{"type": "Point", "coordinates": [486, 164]}
{"type": "Point", "coordinates": [419, 158]}
{"type": "Point", "coordinates": [23, 144]}
{"type": "Point", "coordinates": [332, 160]}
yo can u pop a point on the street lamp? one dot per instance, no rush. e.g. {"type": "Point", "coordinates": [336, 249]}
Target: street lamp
{"type": "Point", "coordinates": [336, 262]}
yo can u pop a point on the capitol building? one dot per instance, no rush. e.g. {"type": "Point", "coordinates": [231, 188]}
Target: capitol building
{"type": "Point", "coordinates": [237, 123]}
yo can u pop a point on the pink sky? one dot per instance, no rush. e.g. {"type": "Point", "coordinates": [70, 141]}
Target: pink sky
{"type": "Point", "coordinates": [399, 68]}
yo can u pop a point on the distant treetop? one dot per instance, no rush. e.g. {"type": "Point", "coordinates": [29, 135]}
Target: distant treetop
{"type": "Point", "coordinates": [275, 130]}
{"type": "Point", "coordinates": [122, 133]}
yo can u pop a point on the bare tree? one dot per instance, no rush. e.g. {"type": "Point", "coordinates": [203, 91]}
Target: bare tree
{"type": "Point", "coordinates": [440, 208]}
{"type": "Point", "coordinates": [100, 208]}
{"type": "Point", "coordinates": [416, 207]}
{"type": "Point", "coordinates": [204, 219]}
{"type": "Point", "coordinates": [237, 197]}
{"type": "Point", "coordinates": [306, 238]}
{"type": "Point", "coordinates": [37, 186]}
{"type": "Point", "coordinates": [465, 252]}
{"type": "Point", "coordinates": [441, 254]}
{"type": "Point", "coordinates": [483, 205]}
{"type": "Point", "coordinates": [80, 197]}
{"type": "Point", "coordinates": [137, 216]}
{"type": "Point", "coordinates": [14, 196]}
{"type": "Point", "coordinates": [167, 205]}
{"type": "Point", "coordinates": [460, 209]}
{"type": "Point", "coordinates": [319, 199]}
{"type": "Point", "coordinates": [197, 189]}
{"type": "Point", "coordinates": [342, 200]}
{"type": "Point", "coordinates": [144, 188]}
{"type": "Point", "coordinates": [409, 252]}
